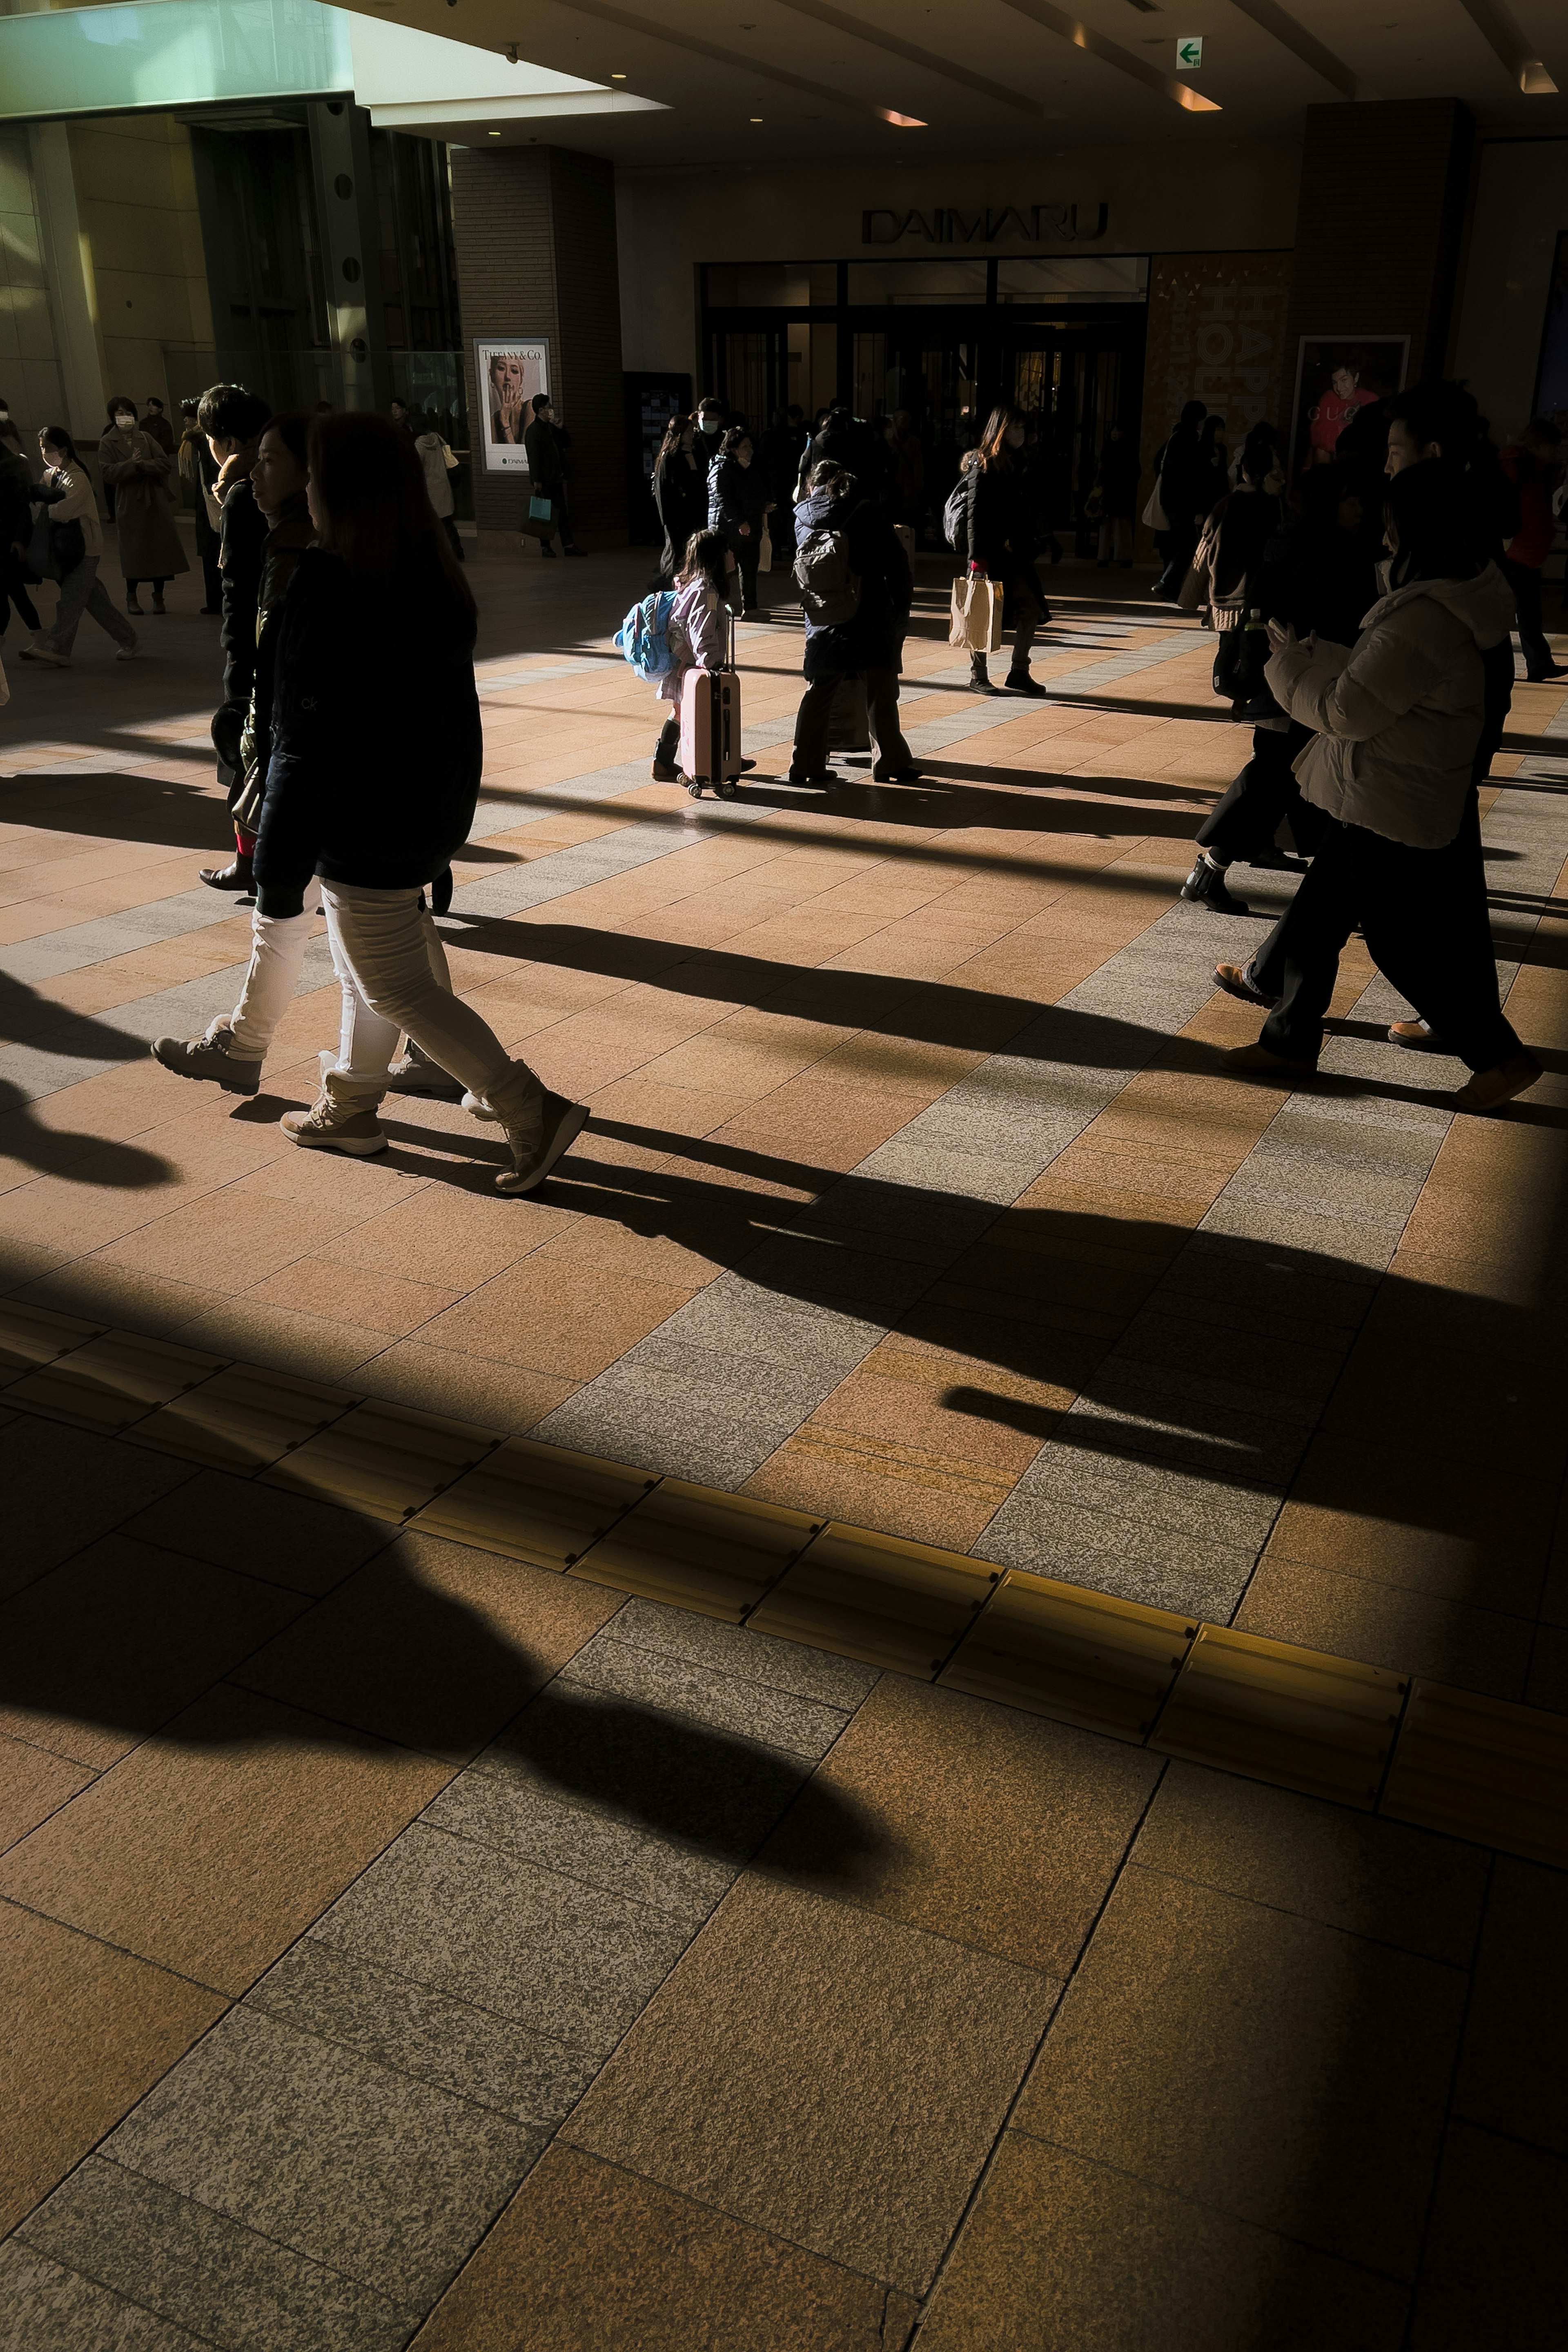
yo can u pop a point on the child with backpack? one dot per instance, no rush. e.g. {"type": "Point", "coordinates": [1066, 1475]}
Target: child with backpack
{"type": "Point", "coordinates": [681, 629]}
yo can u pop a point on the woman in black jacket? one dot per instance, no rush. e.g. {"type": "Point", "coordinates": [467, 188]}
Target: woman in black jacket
{"type": "Point", "coordinates": [1003, 540]}
{"type": "Point", "coordinates": [680, 494]}
{"type": "Point", "coordinates": [370, 784]}
{"type": "Point", "coordinates": [738, 505]}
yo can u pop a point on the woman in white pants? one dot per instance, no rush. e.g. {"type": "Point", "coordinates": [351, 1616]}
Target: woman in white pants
{"type": "Point", "coordinates": [371, 786]}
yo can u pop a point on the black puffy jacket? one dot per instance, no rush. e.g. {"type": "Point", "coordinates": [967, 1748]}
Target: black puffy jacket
{"type": "Point", "coordinates": [737, 494]}
{"type": "Point", "coordinates": [376, 749]}
{"type": "Point", "coordinates": [874, 639]}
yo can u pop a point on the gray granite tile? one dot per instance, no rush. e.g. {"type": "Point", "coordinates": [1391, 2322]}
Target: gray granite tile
{"type": "Point", "coordinates": [737, 1317]}
{"type": "Point", "coordinates": [1240, 1352]}
{"type": "Point", "coordinates": [1293, 1225]}
{"type": "Point", "coordinates": [1253, 1306]}
{"type": "Point", "coordinates": [555, 1955]}
{"type": "Point", "coordinates": [667, 1873]}
{"type": "Point", "coordinates": [705, 1694]}
{"type": "Point", "coordinates": [689, 1412]}
{"type": "Point", "coordinates": [1322, 1288]}
{"type": "Point", "coordinates": [941, 1222]}
{"type": "Point", "coordinates": [947, 1168]}
{"type": "Point", "coordinates": [1197, 1398]}
{"type": "Point", "coordinates": [430, 2036]}
{"type": "Point", "coordinates": [1312, 1180]}
{"type": "Point", "coordinates": [287, 1538]}
{"type": "Point", "coordinates": [737, 1650]}
{"type": "Point", "coordinates": [1108, 1552]}
{"type": "Point", "coordinates": [1158, 1494]}
{"type": "Point", "coordinates": [370, 2172]}
{"type": "Point", "coordinates": [44, 2308]}
{"type": "Point", "coordinates": [796, 1268]}
{"type": "Point", "coordinates": [1122, 1419]}
{"type": "Point", "coordinates": [649, 1770]}
{"type": "Point", "coordinates": [199, 2269]}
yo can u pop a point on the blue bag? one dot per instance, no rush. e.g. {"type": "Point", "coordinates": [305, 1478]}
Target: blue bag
{"type": "Point", "coordinates": [644, 635]}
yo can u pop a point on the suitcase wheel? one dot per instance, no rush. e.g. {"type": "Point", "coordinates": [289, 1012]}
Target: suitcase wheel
{"type": "Point", "coordinates": [726, 788]}
{"type": "Point", "coordinates": [695, 789]}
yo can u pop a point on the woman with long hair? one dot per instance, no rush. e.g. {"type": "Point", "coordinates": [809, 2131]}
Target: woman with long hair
{"type": "Point", "coordinates": [1004, 542]}
{"type": "Point", "coordinates": [76, 539]}
{"type": "Point", "coordinates": [699, 631]}
{"type": "Point", "coordinates": [371, 786]}
{"type": "Point", "coordinates": [738, 505]}
{"type": "Point", "coordinates": [680, 494]}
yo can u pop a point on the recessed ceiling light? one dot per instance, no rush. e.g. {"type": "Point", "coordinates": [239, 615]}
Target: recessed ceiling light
{"type": "Point", "coordinates": [902, 122]}
{"type": "Point", "coordinates": [617, 76]}
{"type": "Point", "coordinates": [756, 117]}
{"type": "Point", "coordinates": [492, 134]}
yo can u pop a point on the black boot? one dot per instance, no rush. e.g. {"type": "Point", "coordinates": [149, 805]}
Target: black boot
{"type": "Point", "coordinates": [1020, 682]}
{"type": "Point", "coordinates": [1205, 887]}
{"type": "Point", "coordinates": [236, 877]}
{"type": "Point", "coordinates": [980, 677]}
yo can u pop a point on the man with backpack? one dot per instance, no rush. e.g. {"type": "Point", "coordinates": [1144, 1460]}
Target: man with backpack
{"type": "Point", "coordinates": [855, 590]}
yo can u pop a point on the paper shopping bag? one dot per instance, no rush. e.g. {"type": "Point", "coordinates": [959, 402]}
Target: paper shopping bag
{"type": "Point", "coordinates": [976, 623]}
{"type": "Point", "coordinates": [765, 550]}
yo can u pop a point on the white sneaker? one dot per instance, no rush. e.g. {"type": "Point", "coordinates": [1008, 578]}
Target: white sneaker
{"type": "Point", "coordinates": [127, 653]}
{"type": "Point", "coordinates": [477, 1107]}
{"type": "Point", "coordinates": [41, 654]}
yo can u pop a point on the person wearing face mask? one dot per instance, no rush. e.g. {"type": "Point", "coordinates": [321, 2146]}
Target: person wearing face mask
{"type": "Point", "coordinates": [232, 419]}
{"type": "Point", "coordinates": [1394, 721]}
{"type": "Point", "coordinates": [136, 471]}
{"type": "Point", "coordinates": [739, 506]}
{"type": "Point", "coordinates": [1003, 543]}
{"type": "Point", "coordinates": [710, 415]}
{"type": "Point", "coordinates": [548, 446]}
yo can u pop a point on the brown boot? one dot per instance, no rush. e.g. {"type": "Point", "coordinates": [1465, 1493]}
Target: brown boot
{"type": "Point", "coordinates": [343, 1118]}
{"type": "Point", "coordinates": [213, 1057]}
{"type": "Point", "coordinates": [1489, 1089]}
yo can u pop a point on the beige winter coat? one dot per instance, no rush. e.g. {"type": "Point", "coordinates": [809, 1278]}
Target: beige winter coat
{"type": "Point", "coordinates": [1398, 715]}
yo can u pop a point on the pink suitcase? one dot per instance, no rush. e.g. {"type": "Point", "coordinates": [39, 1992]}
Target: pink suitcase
{"type": "Point", "coordinates": [711, 730]}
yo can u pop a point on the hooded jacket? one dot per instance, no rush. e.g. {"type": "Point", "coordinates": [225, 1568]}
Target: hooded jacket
{"type": "Point", "coordinates": [1398, 715]}
{"type": "Point", "coordinates": [874, 639]}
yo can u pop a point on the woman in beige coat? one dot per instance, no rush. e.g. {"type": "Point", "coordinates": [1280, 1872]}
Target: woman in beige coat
{"type": "Point", "coordinates": [136, 473]}
{"type": "Point", "coordinates": [1396, 721]}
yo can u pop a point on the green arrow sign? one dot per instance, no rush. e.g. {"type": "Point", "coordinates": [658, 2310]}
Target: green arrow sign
{"type": "Point", "coordinates": [1190, 54]}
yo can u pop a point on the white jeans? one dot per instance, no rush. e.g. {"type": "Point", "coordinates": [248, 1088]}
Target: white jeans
{"type": "Point", "coordinates": [366, 1047]}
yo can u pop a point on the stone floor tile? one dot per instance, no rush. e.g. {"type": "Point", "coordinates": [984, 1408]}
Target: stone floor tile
{"type": "Point", "coordinates": [1546, 1684]}
{"type": "Point", "coordinates": [705, 1694]}
{"type": "Point", "coordinates": [1496, 2249]}
{"type": "Point", "coordinates": [173, 2256]}
{"type": "Point", "coordinates": [287, 1540]}
{"type": "Point", "coordinates": [1158, 1494]}
{"type": "Point", "coordinates": [455, 1240]}
{"type": "Point", "coordinates": [736, 1650]}
{"type": "Point", "coordinates": [927, 1497]}
{"type": "Point", "coordinates": [431, 1644]}
{"type": "Point", "coordinates": [42, 2304]}
{"type": "Point", "coordinates": [483, 2058]}
{"type": "Point", "coordinates": [996, 1828]}
{"type": "Point", "coordinates": [1060, 2250]}
{"type": "Point", "coordinates": [823, 2073]}
{"type": "Point", "coordinates": [374, 2174]}
{"type": "Point", "coordinates": [557, 1320]}
{"type": "Point", "coordinates": [214, 1845]}
{"type": "Point", "coordinates": [89, 2028]}
{"type": "Point", "coordinates": [34, 1784]}
{"type": "Point", "coordinates": [557, 1955]}
{"type": "Point", "coordinates": [1513, 2067]}
{"type": "Point", "coordinates": [284, 1339]}
{"type": "Point", "coordinates": [462, 1388]}
{"type": "Point", "coordinates": [588, 2258]}
{"type": "Point", "coordinates": [1375, 1878]}
{"type": "Point", "coordinates": [1285, 2073]}
{"type": "Point", "coordinates": [1384, 1626]}
{"type": "Point", "coordinates": [1353, 1245]}
{"type": "Point", "coordinates": [669, 1874]}
{"type": "Point", "coordinates": [694, 1412]}
{"type": "Point", "coordinates": [64, 1488]}
{"type": "Point", "coordinates": [1110, 1552]}
{"type": "Point", "coordinates": [650, 1769]}
{"type": "Point", "coordinates": [105, 1649]}
{"type": "Point", "coordinates": [737, 1317]}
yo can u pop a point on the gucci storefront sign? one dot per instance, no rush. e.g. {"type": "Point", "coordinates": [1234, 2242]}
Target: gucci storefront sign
{"type": "Point", "coordinates": [988, 225]}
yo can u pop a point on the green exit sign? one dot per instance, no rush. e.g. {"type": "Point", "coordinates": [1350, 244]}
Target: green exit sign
{"type": "Point", "coordinates": [1190, 54]}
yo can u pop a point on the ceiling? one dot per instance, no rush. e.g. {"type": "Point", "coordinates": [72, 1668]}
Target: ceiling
{"type": "Point", "coordinates": [781, 82]}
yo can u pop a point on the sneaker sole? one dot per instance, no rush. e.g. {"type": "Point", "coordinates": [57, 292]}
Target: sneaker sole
{"type": "Point", "coordinates": [231, 1082]}
{"type": "Point", "coordinates": [561, 1143]}
{"type": "Point", "coordinates": [349, 1147]}
{"type": "Point", "coordinates": [447, 1091]}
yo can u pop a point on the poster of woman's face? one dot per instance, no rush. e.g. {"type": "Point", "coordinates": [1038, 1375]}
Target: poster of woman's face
{"type": "Point", "coordinates": [1336, 376]}
{"type": "Point", "coordinates": [510, 374]}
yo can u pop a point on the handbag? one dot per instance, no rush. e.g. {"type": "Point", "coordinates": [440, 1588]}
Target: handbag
{"type": "Point", "coordinates": [975, 619]}
{"type": "Point", "coordinates": [448, 459]}
{"type": "Point", "coordinates": [765, 550]}
{"type": "Point", "coordinates": [1154, 514]}
{"type": "Point", "coordinates": [540, 509]}
{"type": "Point", "coordinates": [39, 558]}
{"type": "Point", "coordinates": [68, 546]}
{"type": "Point", "coordinates": [1240, 659]}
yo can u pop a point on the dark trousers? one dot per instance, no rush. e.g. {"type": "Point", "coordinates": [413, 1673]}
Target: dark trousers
{"type": "Point", "coordinates": [1266, 792]}
{"type": "Point", "coordinates": [1524, 579]}
{"type": "Point", "coordinates": [209, 545]}
{"type": "Point", "coordinates": [26, 611]}
{"type": "Point", "coordinates": [1178, 545]}
{"type": "Point", "coordinates": [1423, 913]}
{"type": "Point", "coordinates": [454, 537]}
{"type": "Point", "coordinates": [746, 553]}
{"type": "Point", "coordinates": [811, 720]}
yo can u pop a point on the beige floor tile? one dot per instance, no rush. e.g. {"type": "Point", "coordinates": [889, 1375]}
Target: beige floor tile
{"type": "Point", "coordinates": [462, 1388]}
{"type": "Point", "coordinates": [820, 2073]}
{"type": "Point", "coordinates": [232, 1239]}
{"type": "Point", "coordinates": [554, 1319]}
{"type": "Point", "coordinates": [1388, 1625]}
{"type": "Point", "coordinates": [453, 1240]}
{"type": "Point", "coordinates": [380, 1302]}
{"type": "Point", "coordinates": [588, 2258]}
{"type": "Point", "coordinates": [34, 1784]}
{"type": "Point", "coordinates": [995, 1828]}
{"type": "Point", "coordinates": [89, 2030]}
{"type": "Point", "coordinates": [212, 1846]}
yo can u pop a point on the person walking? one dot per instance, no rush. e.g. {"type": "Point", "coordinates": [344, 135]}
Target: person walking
{"type": "Point", "coordinates": [699, 634]}
{"type": "Point", "coordinates": [372, 781]}
{"type": "Point", "coordinates": [547, 447]}
{"type": "Point", "coordinates": [16, 574]}
{"type": "Point", "coordinates": [1396, 720]}
{"type": "Point", "coordinates": [76, 541]}
{"type": "Point", "coordinates": [1119, 475]}
{"type": "Point", "coordinates": [1003, 542]}
{"type": "Point", "coordinates": [869, 644]}
{"type": "Point", "coordinates": [1318, 576]}
{"type": "Point", "coordinates": [679, 495]}
{"type": "Point", "coordinates": [739, 506]}
{"type": "Point", "coordinates": [136, 470]}
{"type": "Point", "coordinates": [1212, 466]}
{"type": "Point", "coordinates": [232, 419]}
{"type": "Point", "coordinates": [439, 465]}
{"type": "Point", "coordinates": [909, 456]}
{"type": "Point", "coordinates": [1181, 490]}
{"type": "Point", "coordinates": [1533, 463]}
{"type": "Point", "coordinates": [198, 472]}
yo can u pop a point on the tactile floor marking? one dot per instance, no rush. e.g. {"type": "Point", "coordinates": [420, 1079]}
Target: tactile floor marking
{"type": "Point", "coordinates": [538, 1503]}
{"type": "Point", "coordinates": [383, 1460]}
{"type": "Point", "coordinates": [30, 1335]}
{"type": "Point", "coordinates": [1482, 1769]}
{"type": "Point", "coordinates": [111, 1380]}
{"type": "Point", "coordinates": [699, 1549]}
{"type": "Point", "coordinates": [1080, 1656]}
{"type": "Point", "coordinates": [876, 1597]}
{"type": "Point", "coordinates": [1273, 1712]}
{"type": "Point", "coordinates": [244, 1417]}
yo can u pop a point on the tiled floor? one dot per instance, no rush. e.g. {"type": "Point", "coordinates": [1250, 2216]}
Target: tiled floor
{"type": "Point", "coordinates": [410, 1942]}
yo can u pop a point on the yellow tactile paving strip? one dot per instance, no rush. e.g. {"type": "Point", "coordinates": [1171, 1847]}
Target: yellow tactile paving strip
{"type": "Point", "coordinates": [1473, 1768]}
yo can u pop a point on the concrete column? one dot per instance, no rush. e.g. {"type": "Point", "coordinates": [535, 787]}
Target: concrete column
{"type": "Point", "coordinates": [1378, 231]}
{"type": "Point", "coordinates": [349, 220]}
{"type": "Point", "coordinates": [535, 234]}
{"type": "Point", "coordinates": [73, 308]}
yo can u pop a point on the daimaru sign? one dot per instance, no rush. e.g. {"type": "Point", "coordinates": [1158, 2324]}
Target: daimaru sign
{"type": "Point", "coordinates": [987, 225]}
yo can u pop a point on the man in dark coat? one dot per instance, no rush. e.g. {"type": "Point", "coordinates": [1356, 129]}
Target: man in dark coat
{"type": "Point", "coordinates": [232, 419]}
{"type": "Point", "coordinates": [869, 644]}
{"type": "Point", "coordinates": [547, 444]}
